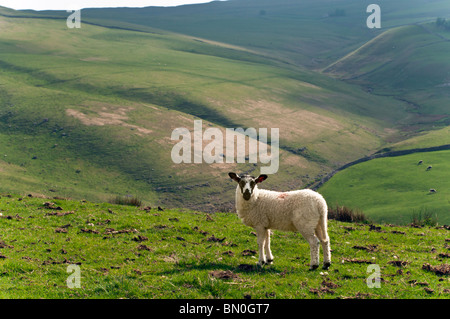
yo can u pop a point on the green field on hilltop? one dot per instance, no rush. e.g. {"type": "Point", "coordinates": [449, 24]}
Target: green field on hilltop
{"type": "Point", "coordinates": [395, 189]}
{"type": "Point", "coordinates": [440, 136]}
{"type": "Point", "coordinates": [129, 252]}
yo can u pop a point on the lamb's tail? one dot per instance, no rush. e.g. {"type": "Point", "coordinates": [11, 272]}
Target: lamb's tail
{"type": "Point", "coordinates": [322, 226]}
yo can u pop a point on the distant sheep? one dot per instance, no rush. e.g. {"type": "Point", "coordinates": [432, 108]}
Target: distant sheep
{"type": "Point", "coordinates": [433, 190]}
{"type": "Point", "coordinates": [304, 211]}
{"type": "Point", "coordinates": [420, 162]}
{"type": "Point", "coordinates": [429, 167]}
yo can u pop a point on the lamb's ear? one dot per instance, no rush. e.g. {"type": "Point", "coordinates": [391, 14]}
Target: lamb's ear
{"type": "Point", "coordinates": [234, 177]}
{"type": "Point", "coordinates": [260, 179]}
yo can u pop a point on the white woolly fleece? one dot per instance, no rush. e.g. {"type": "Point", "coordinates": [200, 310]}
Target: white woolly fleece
{"type": "Point", "coordinates": [301, 210]}
{"type": "Point", "coordinates": [281, 210]}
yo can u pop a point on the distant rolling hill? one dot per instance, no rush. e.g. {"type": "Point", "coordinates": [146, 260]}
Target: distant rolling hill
{"type": "Point", "coordinates": [409, 63]}
{"type": "Point", "coordinates": [306, 32]}
{"type": "Point", "coordinates": [89, 112]}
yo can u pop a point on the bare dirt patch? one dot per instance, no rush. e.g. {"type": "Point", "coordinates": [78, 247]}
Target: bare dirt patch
{"type": "Point", "coordinates": [443, 269]}
{"type": "Point", "coordinates": [224, 274]}
{"type": "Point", "coordinates": [118, 116]}
{"type": "Point", "coordinates": [59, 213]}
{"type": "Point", "coordinates": [358, 261]}
{"type": "Point", "coordinates": [271, 114]}
{"type": "Point", "coordinates": [370, 248]}
{"type": "Point", "coordinates": [249, 252]}
{"type": "Point", "coordinates": [398, 263]}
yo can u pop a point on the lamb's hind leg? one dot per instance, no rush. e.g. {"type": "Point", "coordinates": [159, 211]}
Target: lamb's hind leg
{"type": "Point", "coordinates": [308, 232]}
{"type": "Point", "coordinates": [322, 234]}
{"type": "Point", "coordinates": [314, 245]}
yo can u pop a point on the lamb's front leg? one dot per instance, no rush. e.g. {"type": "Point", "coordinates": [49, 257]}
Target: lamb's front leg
{"type": "Point", "coordinates": [267, 248]}
{"type": "Point", "coordinates": [261, 235]}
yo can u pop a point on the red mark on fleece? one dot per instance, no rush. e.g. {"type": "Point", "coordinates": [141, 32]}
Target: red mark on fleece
{"type": "Point", "coordinates": [282, 196]}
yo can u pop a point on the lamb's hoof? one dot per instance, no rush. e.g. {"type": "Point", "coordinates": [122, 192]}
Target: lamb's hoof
{"type": "Point", "coordinates": [269, 262]}
{"type": "Point", "coordinates": [326, 266]}
{"type": "Point", "coordinates": [260, 264]}
{"type": "Point", "coordinates": [313, 267]}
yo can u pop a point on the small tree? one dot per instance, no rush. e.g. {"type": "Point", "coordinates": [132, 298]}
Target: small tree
{"type": "Point", "coordinates": [440, 22]}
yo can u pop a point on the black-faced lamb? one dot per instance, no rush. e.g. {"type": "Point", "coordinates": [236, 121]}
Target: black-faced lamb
{"type": "Point", "coordinates": [304, 211]}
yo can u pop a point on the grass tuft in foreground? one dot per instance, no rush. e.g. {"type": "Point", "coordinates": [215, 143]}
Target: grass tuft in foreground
{"type": "Point", "coordinates": [345, 214]}
{"type": "Point", "coordinates": [126, 200]}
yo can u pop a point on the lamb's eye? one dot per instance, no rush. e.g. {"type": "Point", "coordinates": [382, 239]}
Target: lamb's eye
{"type": "Point", "coordinates": [252, 183]}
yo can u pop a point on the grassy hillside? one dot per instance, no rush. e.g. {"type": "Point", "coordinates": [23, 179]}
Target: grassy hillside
{"type": "Point", "coordinates": [125, 252]}
{"type": "Point", "coordinates": [395, 189]}
{"type": "Point", "coordinates": [88, 113]}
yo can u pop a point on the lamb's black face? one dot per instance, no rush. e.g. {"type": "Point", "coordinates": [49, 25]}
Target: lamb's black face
{"type": "Point", "coordinates": [247, 183]}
